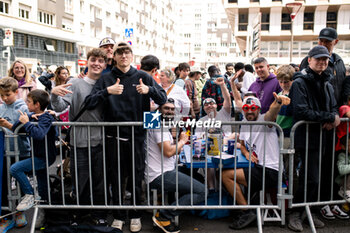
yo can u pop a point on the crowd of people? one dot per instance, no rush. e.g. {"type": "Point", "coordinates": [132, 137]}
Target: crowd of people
{"type": "Point", "coordinates": [110, 89]}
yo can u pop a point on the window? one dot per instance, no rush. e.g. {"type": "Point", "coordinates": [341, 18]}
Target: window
{"type": "Point", "coordinates": [68, 47]}
{"type": "Point", "coordinates": [23, 11]}
{"type": "Point", "coordinates": [4, 7]}
{"type": "Point", "coordinates": [98, 13]}
{"type": "Point", "coordinates": [45, 18]}
{"type": "Point", "coordinates": [254, 0]}
{"type": "Point", "coordinates": [265, 21]}
{"type": "Point", "coordinates": [68, 6]}
{"type": "Point", "coordinates": [82, 28]}
{"type": "Point", "coordinates": [286, 21]}
{"type": "Point", "coordinates": [67, 24]}
{"type": "Point", "coordinates": [308, 21]}
{"type": "Point", "coordinates": [332, 20]}
{"type": "Point", "coordinates": [242, 22]}
{"type": "Point", "coordinates": [82, 6]}
{"type": "Point", "coordinates": [232, 1]}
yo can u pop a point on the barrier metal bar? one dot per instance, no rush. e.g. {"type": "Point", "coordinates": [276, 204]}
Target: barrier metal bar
{"type": "Point", "coordinates": [76, 186]}
{"type": "Point", "coordinates": [104, 164]}
{"type": "Point", "coordinates": [61, 167]}
{"type": "Point", "coordinates": [133, 164]}
{"type": "Point", "coordinates": [89, 164]}
{"type": "Point", "coordinates": [307, 204]}
{"type": "Point", "coordinates": [319, 166]}
{"type": "Point", "coordinates": [119, 177]}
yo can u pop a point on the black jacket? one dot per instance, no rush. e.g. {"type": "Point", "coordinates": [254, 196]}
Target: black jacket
{"type": "Point", "coordinates": [337, 69]}
{"type": "Point", "coordinates": [130, 105]}
{"type": "Point", "coordinates": [312, 99]}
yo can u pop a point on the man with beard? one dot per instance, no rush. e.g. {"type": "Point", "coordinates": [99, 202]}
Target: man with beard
{"type": "Point", "coordinates": [260, 144]}
{"type": "Point", "coordinates": [160, 166]}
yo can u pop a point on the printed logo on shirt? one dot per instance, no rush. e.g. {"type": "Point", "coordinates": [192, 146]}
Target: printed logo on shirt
{"type": "Point", "coordinates": [151, 120]}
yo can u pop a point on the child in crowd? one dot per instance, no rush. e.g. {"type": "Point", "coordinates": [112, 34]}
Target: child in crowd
{"type": "Point", "coordinates": [344, 170]}
{"type": "Point", "coordinates": [37, 101]}
{"type": "Point", "coordinates": [9, 111]}
{"type": "Point", "coordinates": [284, 117]}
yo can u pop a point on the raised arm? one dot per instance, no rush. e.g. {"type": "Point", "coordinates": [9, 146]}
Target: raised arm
{"type": "Point", "coordinates": [275, 107]}
{"type": "Point", "coordinates": [225, 93]}
{"type": "Point", "coordinates": [235, 92]}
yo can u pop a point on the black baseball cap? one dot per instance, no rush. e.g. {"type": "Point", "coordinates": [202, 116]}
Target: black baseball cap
{"type": "Point", "coordinates": [319, 51]}
{"type": "Point", "coordinates": [328, 34]}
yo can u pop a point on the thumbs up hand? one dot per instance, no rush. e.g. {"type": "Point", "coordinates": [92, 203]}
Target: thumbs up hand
{"type": "Point", "coordinates": [116, 89]}
{"type": "Point", "coordinates": [142, 88]}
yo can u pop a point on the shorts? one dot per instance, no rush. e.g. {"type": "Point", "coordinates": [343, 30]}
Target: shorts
{"type": "Point", "coordinates": [271, 178]}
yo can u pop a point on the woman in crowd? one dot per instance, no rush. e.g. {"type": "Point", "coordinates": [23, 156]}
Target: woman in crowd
{"type": "Point", "coordinates": [182, 102]}
{"type": "Point", "coordinates": [19, 71]}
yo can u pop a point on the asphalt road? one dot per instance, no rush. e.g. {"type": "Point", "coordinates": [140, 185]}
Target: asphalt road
{"type": "Point", "coordinates": [194, 224]}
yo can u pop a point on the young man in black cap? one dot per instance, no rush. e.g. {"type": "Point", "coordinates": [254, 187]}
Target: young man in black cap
{"type": "Point", "coordinates": [312, 99]}
{"type": "Point", "coordinates": [328, 37]}
{"type": "Point", "coordinates": [125, 94]}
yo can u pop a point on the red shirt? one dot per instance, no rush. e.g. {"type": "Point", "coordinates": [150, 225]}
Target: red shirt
{"type": "Point", "coordinates": [341, 129]}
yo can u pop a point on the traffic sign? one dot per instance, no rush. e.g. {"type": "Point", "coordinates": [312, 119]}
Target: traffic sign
{"type": "Point", "coordinates": [130, 43]}
{"type": "Point", "coordinates": [129, 32]}
{"type": "Point", "coordinates": [8, 39]}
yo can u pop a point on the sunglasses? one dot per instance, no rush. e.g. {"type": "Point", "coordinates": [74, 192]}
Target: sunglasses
{"type": "Point", "coordinates": [252, 107]}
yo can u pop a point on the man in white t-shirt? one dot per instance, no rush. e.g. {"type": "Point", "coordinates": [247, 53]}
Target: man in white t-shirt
{"type": "Point", "coordinates": [210, 108]}
{"type": "Point", "coordinates": [260, 144]}
{"type": "Point", "coordinates": [160, 164]}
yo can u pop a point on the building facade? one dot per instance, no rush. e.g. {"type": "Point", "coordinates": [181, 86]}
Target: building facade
{"type": "Point", "coordinates": [275, 27]}
{"type": "Point", "coordinates": [61, 32]}
{"type": "Point", "coordinates": [206, 37]}
{"type": "Point", "coordinates": [42, 33]}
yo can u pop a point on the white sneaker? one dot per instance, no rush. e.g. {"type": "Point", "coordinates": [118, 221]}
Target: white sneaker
{"type": "Point", "coordinates": [118, 224]}
{"type": "Point", "coordinates": [347, 196]}
{"type": "Point", "coordinates": [327, 213]}
{"type": "Point", "coordinates": [135, 225]}
{"type": "Point", "coordinates": [26, 203]}
{"type": "Point", "coordinates": [339, 213]}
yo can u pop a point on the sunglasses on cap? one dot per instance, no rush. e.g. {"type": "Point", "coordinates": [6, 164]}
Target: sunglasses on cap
{"type": "Point", "coordinates": [252, 107]}
{"type": "Point", "coordinates": [209, 101]}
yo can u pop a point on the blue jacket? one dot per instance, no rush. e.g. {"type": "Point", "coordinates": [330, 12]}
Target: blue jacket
{"type": "Point", "coordinates": [11, 114]}
{"type": "Point", "coordinates": [38, 133]}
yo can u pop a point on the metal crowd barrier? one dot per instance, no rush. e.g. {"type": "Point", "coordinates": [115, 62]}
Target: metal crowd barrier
{"type": "Point", "coordinates": [10, 156]}
{"type": "Point", "coordinates": [318, 201]}
{"type": "Point", "coordinates": [262, 209]}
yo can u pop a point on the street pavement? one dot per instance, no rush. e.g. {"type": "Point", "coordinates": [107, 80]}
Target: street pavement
{"type": "Point", "coordinates": [194, 224]}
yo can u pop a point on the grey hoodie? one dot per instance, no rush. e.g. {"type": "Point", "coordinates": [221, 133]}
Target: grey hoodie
{"type": "Point", "coordinates": [11, 114]}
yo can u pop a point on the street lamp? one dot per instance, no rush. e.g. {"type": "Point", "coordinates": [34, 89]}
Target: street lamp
{"type": "Point", "coordinates": [293, 9]}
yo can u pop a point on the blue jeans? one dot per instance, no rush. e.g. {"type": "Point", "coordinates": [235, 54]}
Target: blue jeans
{"type": "Point", "coordinates": [18, 171]}
{"type": "Point", "coordinates": [184, 189]}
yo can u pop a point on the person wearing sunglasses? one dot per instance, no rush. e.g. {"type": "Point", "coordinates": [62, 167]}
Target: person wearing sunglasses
{"type": "Point", "coordinates": [161, 172]}
{"type": "Point", "coordinates": [259, 143]}
{"type": "Point", "coordinates": [210, 107]}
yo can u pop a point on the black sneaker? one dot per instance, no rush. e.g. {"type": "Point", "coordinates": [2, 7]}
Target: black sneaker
{"type": "Point", "coordinates": [165, 224]}
{"type": "Point", "coordinates": [244, 220]}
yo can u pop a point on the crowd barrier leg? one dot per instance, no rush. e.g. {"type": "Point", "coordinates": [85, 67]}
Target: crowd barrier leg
{"type": "Point", "coordinates": [309, 216]}
{"type": "Point", "coordinates": [35, 216]}
{"type": "Point", "coordinates": [259, 221]}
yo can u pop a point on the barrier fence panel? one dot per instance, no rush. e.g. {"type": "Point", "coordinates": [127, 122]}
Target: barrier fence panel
{"type": "Point", "coordinates": [99, 141]}
{"type": "Point", "coordinates": [315, 147]}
